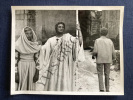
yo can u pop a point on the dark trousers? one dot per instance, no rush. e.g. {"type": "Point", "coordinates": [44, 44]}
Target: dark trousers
{"type": "Point", "coordinates": [106, 67]}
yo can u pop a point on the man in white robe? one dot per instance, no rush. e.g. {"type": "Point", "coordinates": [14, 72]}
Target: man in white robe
{"type": "Point", "coordinates": [58, 59]}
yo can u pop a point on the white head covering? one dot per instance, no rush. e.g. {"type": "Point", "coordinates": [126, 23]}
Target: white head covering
{"type": "Point", "coordinates": [23, 45]}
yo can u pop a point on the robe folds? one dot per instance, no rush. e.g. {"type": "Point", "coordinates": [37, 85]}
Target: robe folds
{"type": "Point", "coordinates": [26, 66]}
{"type": "Point", "coordinates": [58, 60]}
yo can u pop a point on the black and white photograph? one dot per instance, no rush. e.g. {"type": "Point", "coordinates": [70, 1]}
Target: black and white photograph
{"type": "Point", "coordinates": [67, 50]}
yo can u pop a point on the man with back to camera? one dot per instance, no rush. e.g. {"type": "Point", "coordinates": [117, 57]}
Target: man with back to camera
{"type": "Point", "coordinates": [104, 52]}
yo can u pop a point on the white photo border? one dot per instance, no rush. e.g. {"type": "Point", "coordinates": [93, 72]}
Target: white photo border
{"type": "Point", "coordinates": [121, 8]}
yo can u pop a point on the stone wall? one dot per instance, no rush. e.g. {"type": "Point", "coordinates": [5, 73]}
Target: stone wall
{"type": "Point", "coordinates": [46, 20]}
{"type": "Point", "coordinates": [43, 22]}
{"type": "Point", "coordinates": [91, 21]}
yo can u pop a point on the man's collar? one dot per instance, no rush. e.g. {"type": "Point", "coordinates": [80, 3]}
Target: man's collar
{"type": "Point", "coordinates": [103, 37]}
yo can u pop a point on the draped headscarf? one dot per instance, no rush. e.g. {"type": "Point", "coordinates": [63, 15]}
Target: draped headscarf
{"type": "Point", "coordinates": [23, 45]}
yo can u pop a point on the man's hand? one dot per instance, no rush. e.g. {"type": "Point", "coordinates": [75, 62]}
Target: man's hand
{"type": "Point", "coordinates": [94, 55]}
{"type": "Point", "coordinates": [77, 26]}
{"type": "Point", "coordinates": [79, 34]}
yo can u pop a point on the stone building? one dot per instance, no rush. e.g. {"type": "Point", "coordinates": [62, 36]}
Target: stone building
{"type": "Point", "coordinates": [43, 22]}
{"type": "Point", "coordinates": [91, 21]}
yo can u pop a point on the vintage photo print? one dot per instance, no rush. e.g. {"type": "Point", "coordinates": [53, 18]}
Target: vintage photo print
{"type": "Point", "coordinates": [67, 50]}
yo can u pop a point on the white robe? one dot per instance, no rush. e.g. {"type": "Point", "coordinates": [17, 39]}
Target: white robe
{"type": "Point", "coordinates": [58, 59]}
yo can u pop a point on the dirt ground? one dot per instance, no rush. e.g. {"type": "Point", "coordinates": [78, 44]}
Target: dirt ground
{"type": "Point", "coordinates": [88, 78]}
